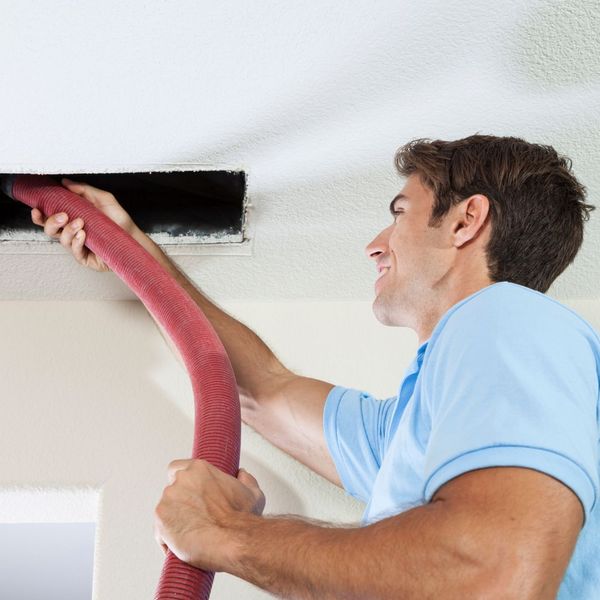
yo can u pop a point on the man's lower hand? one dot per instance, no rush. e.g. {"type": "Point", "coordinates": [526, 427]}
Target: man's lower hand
{"type": "Point", "coordinates": [200, 510]}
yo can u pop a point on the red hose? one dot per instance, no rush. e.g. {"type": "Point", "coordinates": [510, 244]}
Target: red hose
{"type": "Point", "coordinates": [216, 400]}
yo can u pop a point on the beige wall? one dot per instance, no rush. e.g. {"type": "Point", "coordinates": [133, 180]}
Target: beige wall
{"type": "Point", "coordinates": [94, 407]}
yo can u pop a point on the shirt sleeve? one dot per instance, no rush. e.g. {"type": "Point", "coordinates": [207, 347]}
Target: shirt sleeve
{"type": "Point", "coordinates": [520, 391]}
{"type": "Point", "coordinates": [354, 424]}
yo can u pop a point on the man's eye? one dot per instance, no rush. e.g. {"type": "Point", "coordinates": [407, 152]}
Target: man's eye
{"type": "Point", "coordinates": [397, 212]}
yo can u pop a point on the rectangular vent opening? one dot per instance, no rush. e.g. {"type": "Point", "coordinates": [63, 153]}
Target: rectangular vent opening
{"type": "Point", "coordinates": [180, 210]}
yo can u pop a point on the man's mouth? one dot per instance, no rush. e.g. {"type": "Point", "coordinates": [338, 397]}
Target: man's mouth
{"type": "Point", "coordinates": [383, 271]}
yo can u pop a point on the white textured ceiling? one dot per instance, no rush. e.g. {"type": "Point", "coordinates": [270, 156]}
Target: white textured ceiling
{"type": "Point", "coordinates": [310, 98]}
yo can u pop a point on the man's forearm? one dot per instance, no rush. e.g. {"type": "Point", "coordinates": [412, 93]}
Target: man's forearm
{"type": "Point", "coordinates": [252, 360]}
{"type": "Point", "coordinates": [412, 555]}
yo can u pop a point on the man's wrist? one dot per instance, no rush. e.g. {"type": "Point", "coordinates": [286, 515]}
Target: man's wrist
{"type": "Point", "coordinates": [270, 551]}
{"type": "Point", "coordinates": [136, 233]}
{"type": "Point", "coordinates": [154, 249]}
{"type": "Point", "coordinates": [238, 549]}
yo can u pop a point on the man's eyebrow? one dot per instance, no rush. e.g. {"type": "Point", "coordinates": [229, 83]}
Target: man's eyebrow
{"type": "Point", "coordinates": [396, 198]}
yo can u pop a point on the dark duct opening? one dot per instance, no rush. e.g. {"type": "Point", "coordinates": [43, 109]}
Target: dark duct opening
{"type": "Point", "coordinates": [178, 204]}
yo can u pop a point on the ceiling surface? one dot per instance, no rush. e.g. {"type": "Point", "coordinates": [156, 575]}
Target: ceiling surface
{"type": "Point", "coordinates": [310, 99]}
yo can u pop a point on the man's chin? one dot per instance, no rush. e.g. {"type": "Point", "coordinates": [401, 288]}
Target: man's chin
{"type": "Point", "coordinates": [382, 311]}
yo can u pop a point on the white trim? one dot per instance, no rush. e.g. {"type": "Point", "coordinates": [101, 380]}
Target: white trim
{"type": "Point", "coordinates": [39, 504]}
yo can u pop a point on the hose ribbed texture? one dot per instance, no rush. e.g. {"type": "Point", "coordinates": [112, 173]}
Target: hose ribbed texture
{"type": "Point", "coordinates": [216, 400]}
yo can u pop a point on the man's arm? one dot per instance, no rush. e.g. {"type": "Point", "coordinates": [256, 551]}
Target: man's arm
{"type": "Point", "coordinates": [505, 533]}
{"type": "Point", "coordinates": [496, 533]}
{"type": "Point", "coordinates": [285, 408]}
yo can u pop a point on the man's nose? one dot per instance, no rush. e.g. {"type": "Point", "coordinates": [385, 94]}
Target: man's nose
{"type": "Point", "coordinates": [378, 245]}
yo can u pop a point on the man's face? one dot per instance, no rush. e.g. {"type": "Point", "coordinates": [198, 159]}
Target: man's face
{"type": "Point", "coordinates": [412, 258]}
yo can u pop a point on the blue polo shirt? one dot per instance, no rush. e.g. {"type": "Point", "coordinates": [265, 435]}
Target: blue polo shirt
{"type": "Point", "coordinates": [508, 377]}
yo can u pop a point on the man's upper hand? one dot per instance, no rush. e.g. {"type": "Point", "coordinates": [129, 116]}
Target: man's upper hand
{"type": "Point", "coordinates": [69, 229]}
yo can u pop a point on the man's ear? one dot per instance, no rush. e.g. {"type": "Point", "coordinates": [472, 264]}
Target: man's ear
{"type": "Point", "coordinates": [470, 218]}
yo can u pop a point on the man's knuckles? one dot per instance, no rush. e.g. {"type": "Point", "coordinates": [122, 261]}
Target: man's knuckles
{"type": "Point", "coordinates": [76, 224]}
{"type": "Point", "coordinates": [197, 464]}
{"type": "Point", "coordinates": [66, 237]}
{"type": "Point", "coordinates": [52, 225]}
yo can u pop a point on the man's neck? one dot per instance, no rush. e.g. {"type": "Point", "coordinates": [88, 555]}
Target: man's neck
{"type": "Point", "coordinates": [434, 310]}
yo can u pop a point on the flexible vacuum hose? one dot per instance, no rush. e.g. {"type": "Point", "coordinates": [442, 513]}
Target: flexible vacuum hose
{"type": "Point", "coordinates": [217, 407]}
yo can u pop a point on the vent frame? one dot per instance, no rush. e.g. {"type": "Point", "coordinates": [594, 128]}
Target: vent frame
{"type": "Point", "coordinates": [234, 241]}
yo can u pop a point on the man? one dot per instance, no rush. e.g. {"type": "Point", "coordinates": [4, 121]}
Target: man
{"type": "Point", "coordinates": [482, 476]}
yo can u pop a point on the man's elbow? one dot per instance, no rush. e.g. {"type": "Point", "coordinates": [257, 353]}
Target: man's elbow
{"type": "Point", "coordinates": [513, 586]}
{"type": "Point", "coordinates": [508, 574]}
{"type": "Point", "coordinates": [487, 564]}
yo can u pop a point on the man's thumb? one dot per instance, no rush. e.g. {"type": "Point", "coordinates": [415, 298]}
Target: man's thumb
{"type": "Point", "coordinates": [247, 479]}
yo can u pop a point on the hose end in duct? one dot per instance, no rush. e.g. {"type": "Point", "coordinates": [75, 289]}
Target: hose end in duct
{"type": "Point", "coordinates": [6, 184]}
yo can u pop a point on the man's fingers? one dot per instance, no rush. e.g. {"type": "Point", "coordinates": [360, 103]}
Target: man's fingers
{"type": "Point", "coordinates": [68, 233]}
{"type": "Point", "coordinates": [176, 465]}
{"type": "Point", "coordinates": [247, 479]}
{"type": "Point", "coordinates": [77, 187]}
{"type": "Point", "coordinates": [159, 540]}
{"type": "Point", "coordinates": [70, 183]}
{"type": "Point", "coordinates": [250, 482]}
{"type": "Point", "coordinates": [162, 545]}
{"type": "Point", "coordinates": [54, 223]}
{"type": "Point", "coordinates": [80, 252]}
{"type": "Point", "coordinates": [89, 192]}
{"type": "Point", "coordinates": [37, 216]}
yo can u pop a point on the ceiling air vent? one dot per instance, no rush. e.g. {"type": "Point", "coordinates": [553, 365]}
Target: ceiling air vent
{"type": "Point", "coordinates": [186, 212]}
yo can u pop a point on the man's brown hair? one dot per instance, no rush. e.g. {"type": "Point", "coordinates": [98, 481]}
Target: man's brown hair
{"type": "Point", "coordinates": [537, 207]}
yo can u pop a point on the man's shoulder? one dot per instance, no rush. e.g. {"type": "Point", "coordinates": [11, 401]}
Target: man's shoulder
{"type": "Point", "coordinates": [506, 309]}
{"type": "Point", "coordinates": [509, 337]}
{"type": "Point", "coordinates": [510, 301]}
